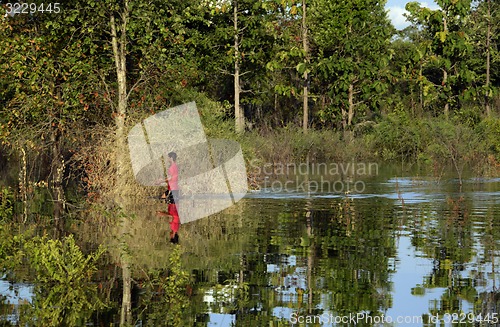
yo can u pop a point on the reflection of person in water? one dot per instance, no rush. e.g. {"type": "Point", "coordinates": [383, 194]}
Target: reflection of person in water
{"type": "Point", "coordinates": [174, 221]}
{"type": "Point", "coordinates": [172, 194]}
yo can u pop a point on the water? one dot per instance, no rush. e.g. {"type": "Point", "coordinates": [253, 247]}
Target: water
{"type": "Point", "coordinates": [413, 251]}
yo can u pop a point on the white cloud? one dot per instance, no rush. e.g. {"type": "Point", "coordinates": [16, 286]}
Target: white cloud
{"type": "Point", "coordinates": [395, 13]}
{"type": "Point", "coordinates": [397, 18]}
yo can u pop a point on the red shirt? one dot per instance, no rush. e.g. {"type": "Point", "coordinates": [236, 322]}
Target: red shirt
{"type": "Point", "coordinates": [173, 177]}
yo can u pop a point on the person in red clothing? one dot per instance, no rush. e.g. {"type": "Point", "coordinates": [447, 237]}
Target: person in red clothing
{"type": "Point", "coordinates": [172, 194]}
{"type": "Point", "coordinates": [174, 221]}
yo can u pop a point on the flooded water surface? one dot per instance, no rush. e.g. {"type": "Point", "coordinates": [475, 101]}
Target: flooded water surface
{"type": "Point", "coordinates": [410, 250]}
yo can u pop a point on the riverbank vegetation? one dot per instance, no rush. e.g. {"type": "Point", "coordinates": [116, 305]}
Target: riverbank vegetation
{"type": "Point", "coordinates": [314, 80]}
{"type": "Point", "coordinates": [291, 80]}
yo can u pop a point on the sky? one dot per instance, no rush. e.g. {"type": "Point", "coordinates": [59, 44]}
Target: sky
{"type": "Point", "coordinates": [396, 9]}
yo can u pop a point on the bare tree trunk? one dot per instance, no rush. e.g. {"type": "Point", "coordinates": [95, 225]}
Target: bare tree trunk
{"type": "Point", "coordinates": [445, 78]}
{"type": "Point", "coordinates": [238, 113]}
{"type": "Point", "coordinates": [350, 115]}
{"type": "Point", "coordinates": [421, 88]}
{"type": "Point", "coordinates": [305, 92]}
{"type": "Point", "coordinates": [344, 119]}
{"type": "Point", "coordinates": [488, 37]}
{"type": "Point", "coordinates": [126, 309]}
{"type": "Point", "coordinates": [23, 183]}
{"type": "Point", "coordinates": [119, 44]}
{"type": "Point", "coordinates": [57, 179]}
{"type": "Point", "coordinates": [446, 105]}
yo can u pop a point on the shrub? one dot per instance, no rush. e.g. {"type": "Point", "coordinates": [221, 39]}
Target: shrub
{"type": "Point", "coordinates": [6, 204]}
{"type": "Point", "coordinates": [64, 294]}
{"type": "Point", "coordinates": [398, 137]}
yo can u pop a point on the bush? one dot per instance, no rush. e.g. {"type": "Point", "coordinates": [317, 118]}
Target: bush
{"type": "Point", "coordinates": [6, 204]}
{"type": "Point", "coordinates": [489, 132]}
{"type": "Point", "coordinates": [64, 294]}
{"type": "Point", "coordinates": [398, 137]}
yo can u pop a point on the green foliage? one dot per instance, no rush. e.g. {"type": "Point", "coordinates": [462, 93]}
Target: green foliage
{"type": "Point", "coordinates": [166, 299]}
{"type": "Point", "coordinates": [61, 262]}
{"type": "Point", "coordinates": [12, 251]}
{"type": "Point", "coordinates": [398, 137]}
{"type": "Point", "coordinates": [454, 144]}
{"type": "Point", "coordinates": [6, 204]}
{"type": "Point", "coordinates": [445, 38]}
{"type": "Point", "coordinates": [489, 132]}
{"type": "Point", "coordinates": [213, 115]}
{"type": "Point", "coordinates": [64, 294]}
{"type": "Point", "coordinates": [469, 117]}
{"type": "Point", "coordinates": [352, 40]}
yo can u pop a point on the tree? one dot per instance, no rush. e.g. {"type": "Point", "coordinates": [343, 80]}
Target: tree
{"type": "Point", "coordinates": [44, 57]}
{"type": "Point", "coordinates": [305, 48]}
{"type": "Point", "coordinates": [239, 75]}
{"type": "Point", "coordinates": [447, 29]}
{"type": "Point", "coordinates": [351, 39]}
{"type": "Point", "coordinates": [238, 112]}
{"type": "Point", "coordinates": [484, 60]}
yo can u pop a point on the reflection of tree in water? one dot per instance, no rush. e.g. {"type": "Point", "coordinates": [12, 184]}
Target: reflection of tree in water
{"type": "Point", "coordinates": [489, 300]}
{"type": "Point", "coordinates": [448, 236]}
{"type": "Point", "coordinates": [333, 259]}
{"type": "Point", "coordinates": [355, 246]}
{"type": "Point", "coordinates": [259, 261]}
{"type": "Point", "coordinates": [63, 292]}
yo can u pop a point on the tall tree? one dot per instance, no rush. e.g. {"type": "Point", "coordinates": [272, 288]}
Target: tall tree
{"type": "Point", "coordinates": [238, 112]}
{"type": "Point", "coordinates": [351, 40]}
{"type": "Point", "coordinates": [237, 54]}
{"type": "Point", "coordinates": [305, 48]}
{"type": "Point", "coordinates": [448, 31]}
{"type": "Point", "coordinates": [488, 57]}
{"type": "Point", "coordinates": [45, 59]}
{"type": "Point", "coordinates": [485, 60]}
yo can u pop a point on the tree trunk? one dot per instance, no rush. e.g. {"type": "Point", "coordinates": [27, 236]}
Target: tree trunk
{"type": "Point", "coordinates": [488, 37]}
{"type": "Point", "coordinates": [305, 92]}
{"type": "Point", "coordinates": [445, 78]}
{"type": "Point", "coordinates": [23, 183]}
{"type": "Point", "coordinates": [57, 178]}
{"type": "Point", "coordinates": [344, 119]}
{"type": "Point", "coordinates": [119, 44]}
{"type": "Point", "coordinates": [421, 89]}
{"type": "Point", "coordinates": [238, 113]}
{"type": "Point", "coordinates": [350, 115]}
{"type": "Point", "coordinates": [126, 309]}
{"type": "Point", "coordinates": [446, 105]}
{"type": "Point", "coordinates": [310, 261]}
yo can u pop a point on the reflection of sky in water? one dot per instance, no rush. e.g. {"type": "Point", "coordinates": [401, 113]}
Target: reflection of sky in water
{"type": "Point", "coordinates": [221, 320]}
{"type": "Point", "coordinates": [287, 274]}
{"type": "Point", "coordinates": [410, 272]}
{"type": "Point", "coordinates": [16, 293]}
{"type": "Point", "coordinates": [412, 267]}
{"type": "Point", "coordinates": [410, 190]}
